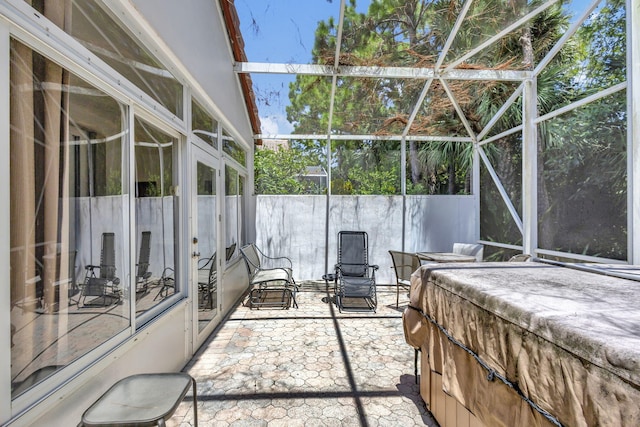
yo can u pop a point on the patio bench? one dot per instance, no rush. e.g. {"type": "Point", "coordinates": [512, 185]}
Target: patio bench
{"type": "Point", "coordinates": [270, 279]}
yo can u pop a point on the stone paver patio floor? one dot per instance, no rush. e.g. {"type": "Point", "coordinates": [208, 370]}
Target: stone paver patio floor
{"type": "Point", "coordinates": [310, 366]}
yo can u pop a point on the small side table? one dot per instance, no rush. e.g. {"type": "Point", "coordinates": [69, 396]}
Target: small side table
{"type": "Point", "coordinates": [141, 400]}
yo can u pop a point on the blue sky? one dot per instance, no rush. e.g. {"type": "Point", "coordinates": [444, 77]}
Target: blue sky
{"type": "Point", "coordinates": [282, 31]}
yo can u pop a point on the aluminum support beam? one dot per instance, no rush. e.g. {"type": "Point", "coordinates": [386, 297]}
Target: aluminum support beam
{"type": "Point", "coordinates": [458, 109]}
{"type": "Point", "coordinates": [514, 96]}
{"type": "Point", "coordinates": [342, 137]}
{"type": "Point", "coordinates": [379, 72]}
{"type": "Point", "coordinates": [475, 187]}
{"type": "Point", "coordinates": [529, 168]}
{"type": "Point", "coordinates": [5, 226]}
{"type": "Point", "coordinates": [529, 16]}
{"type": "Point", "coordinates": [565, 37]}
{"type": "Point", "coordinates": [633, 129]}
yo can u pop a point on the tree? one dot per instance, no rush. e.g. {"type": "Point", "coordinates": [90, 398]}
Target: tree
{"type": "Point", "coordinates": [413, 33]}
{"type": "Point", "coordinates": [280, 171]}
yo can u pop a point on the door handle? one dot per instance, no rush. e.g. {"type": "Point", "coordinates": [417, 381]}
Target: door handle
{"type": "Point", "coordinates": [196, 254]}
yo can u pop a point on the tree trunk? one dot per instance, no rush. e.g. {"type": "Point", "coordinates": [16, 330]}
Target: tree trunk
{"type": "Point", "coordinates": [451, 169]}
{"type": "Point", "coordinates": [414, 164]}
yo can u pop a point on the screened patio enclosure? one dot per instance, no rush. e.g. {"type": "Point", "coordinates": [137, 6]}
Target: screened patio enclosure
{"type": "Point", "coordinates": [527, 105]}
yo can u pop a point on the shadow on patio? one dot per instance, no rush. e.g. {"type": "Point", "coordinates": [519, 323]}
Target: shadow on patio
{"type": "Point", "coordinates": [307, 366]}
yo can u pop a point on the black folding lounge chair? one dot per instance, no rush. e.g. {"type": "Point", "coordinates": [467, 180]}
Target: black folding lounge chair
{"type": "Point", "coordinates": [66, 262]}
{"type": "Point", "coordinates": [142, 269]}
{"type": "Point", "coordinates": [105, 284]}
{"type": "Point", "coordinates": [355, 282]}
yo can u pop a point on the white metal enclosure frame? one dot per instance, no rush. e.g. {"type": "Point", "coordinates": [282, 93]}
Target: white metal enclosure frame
{"type": "Point", "coordinates": [527, 223]}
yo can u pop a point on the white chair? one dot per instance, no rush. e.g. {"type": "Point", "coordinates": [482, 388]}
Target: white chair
{"type": "Point", "coordinates": [473, 249]}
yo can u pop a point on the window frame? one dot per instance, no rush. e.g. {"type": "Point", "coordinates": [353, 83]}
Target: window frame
{"type": "Point", "coordinates": [59, 47]}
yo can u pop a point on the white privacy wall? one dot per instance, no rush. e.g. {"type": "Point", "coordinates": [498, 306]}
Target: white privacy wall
{"type": "Point", "coordinates": [296, 227]}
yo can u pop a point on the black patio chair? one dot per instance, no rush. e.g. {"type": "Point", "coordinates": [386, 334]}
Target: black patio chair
{"type": "Point", "coordinates": [355, 278]}
{"type": "Point", "coordinates": [142, 268]}
{"type": "Point", "coordinates": [207, 282]}
{"type": "Point", "coordinates": [105, 283]}
{"type": "Point", "coordinates": [404, 264]}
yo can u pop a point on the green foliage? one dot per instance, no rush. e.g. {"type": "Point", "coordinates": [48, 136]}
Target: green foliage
{"type": "Point", "coordinates": [281, 171]}
{"type": "Point", "coordinates": [114, 183]}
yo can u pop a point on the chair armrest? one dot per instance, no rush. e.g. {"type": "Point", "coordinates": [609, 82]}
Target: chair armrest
{"type": "Point", "coordinates": [267, 275]}
{"type": "Point", "coordinates": [286, 261]}
{"type": "Point", "coordinates": [203, 263]}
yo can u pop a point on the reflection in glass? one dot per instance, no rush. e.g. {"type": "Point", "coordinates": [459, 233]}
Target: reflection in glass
{"type": "Point", "coordinates": [66, 206]}
{"type": "Point", "coordinates": [365, 167]}
{"type": "Point", "coordinates": [241, 211]}
{"type": "Point", "coordinates": [203, 125]}
{"type": "Point", "coordinates": [231, 191]}
{"type": "Point", "coordinates": [93, 26]}
{"type": "Point", "coordinates": [207, 240]}
{"type": "Point", "coordinates": [232, 148]}
{"type": "Point", "coordinates": [582, 193]}
{"type": "Point", "coordinates": [156, 209]}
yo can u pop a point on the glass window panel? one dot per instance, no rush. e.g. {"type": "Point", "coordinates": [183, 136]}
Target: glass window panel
{"type": "Point", "coordinates": [436, 167]}
{"type": "Point", "coordinates": [156, 209]}
{"type": "Point", "coordinates": [203, 125]}
{"type": "Point", "coordinates": [207, 245]}
{"type": "Point", "coordinates": [582, 196]}
{"type": "Point", "coordinates": [232, 207]}
{"type": "Point", "coordinates": [93, 26]}
{"type": "Point", "coordinates": [241, 216]}
{"type": "Point", "coordinates": [365, 167]}
{"type": "Point", "coordinates": [66, 208]}
{"type": "Point", "coordinates": [291, 167]}
{"type": "Point", "coordinates": [230, 147]}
